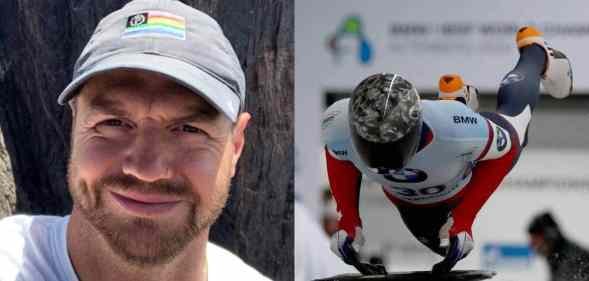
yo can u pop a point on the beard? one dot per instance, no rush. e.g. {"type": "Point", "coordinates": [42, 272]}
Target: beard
{"type": "Point", "coordinates": [143, 241]}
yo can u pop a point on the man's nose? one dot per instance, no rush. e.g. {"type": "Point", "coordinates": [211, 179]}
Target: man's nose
{"type": "Point", "coordinates": [148, 158]}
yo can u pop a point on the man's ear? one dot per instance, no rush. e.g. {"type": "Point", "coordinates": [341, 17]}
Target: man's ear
{"type": "Point", "coordinates": [73, 107]}
{"type": "Point", "coordinates": [238, 138]}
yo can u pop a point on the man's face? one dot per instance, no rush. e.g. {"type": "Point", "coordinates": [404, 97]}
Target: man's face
{"type": "Point", "coordinates": [539, 244]}
{"type": "Point", "coordinates": [151, 163]}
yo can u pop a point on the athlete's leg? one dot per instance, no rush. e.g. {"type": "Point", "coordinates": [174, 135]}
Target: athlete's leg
{"type": "Point", "coordinates": [517, 97]}
{"type": "Point", "coordinates": [518, 94]}
{"type": "Point", "coordinates": [486, 178]}
{"type": "Point", "coordinates": [521, 86]}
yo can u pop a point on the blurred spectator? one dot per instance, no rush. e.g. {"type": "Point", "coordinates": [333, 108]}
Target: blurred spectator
{"type": "Point", "coordinates": [313, 259]}
{"type": "Point", "coordinates": [567, 261]}
{"type": "Point", "coordinates": [329, 216]}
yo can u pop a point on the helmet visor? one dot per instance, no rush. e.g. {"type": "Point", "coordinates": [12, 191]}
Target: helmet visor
{"type": "Point", "coordinates": [391, 155]}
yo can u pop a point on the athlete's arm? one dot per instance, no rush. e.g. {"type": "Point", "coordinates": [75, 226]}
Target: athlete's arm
{"type": "Point", "coordinates": [493, 163]}
{"type": "Point", "coordinates": [486, 177]}
{"type": "Point", "coordinates": [344, 177]}
{"type": "Point", "coordinates": [344, 181]}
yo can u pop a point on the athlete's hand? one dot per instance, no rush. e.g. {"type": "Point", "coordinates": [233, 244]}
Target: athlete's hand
{"type": "Point", "coordinates": [347, 245]}
{"type": "Point", "coordinates": [459, 246]}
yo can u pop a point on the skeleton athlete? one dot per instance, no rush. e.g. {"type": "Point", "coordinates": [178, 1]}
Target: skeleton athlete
{"type": "Point", "coordinates": [437, 161]}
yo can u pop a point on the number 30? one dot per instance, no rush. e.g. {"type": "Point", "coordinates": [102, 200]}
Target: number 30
{"type": "Point", "coordinates": [408, 192]}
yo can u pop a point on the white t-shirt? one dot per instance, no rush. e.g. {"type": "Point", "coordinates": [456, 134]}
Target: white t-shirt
{"type": "Point", "coordinates": [34, 248]}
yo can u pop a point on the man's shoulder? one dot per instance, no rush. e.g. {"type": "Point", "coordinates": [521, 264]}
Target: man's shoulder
{"type": "Point", "coordinates": [572, 262]}
{"type": "Point", "coordinates": [24, 226]}
{"type": "Point", "coordinates": [26, 245]}
{"type": "Point", "coordinates": [15, 230]}
{"type": "Point", "coordinates": [224, 265]}
{"type": "Point", "coordinates": [26, 220]}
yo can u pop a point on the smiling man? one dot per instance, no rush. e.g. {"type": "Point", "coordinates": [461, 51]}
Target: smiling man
{"type": "Point", "coordinates": [158, 127]}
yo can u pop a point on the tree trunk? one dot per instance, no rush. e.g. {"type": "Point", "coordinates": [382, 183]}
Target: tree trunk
{"type": "Point", "coordinates": [7, 193]}
{"type": "Point", "coordinates": [39, 43]}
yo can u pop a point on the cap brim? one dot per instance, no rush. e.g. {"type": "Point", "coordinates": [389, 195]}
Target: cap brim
{"type": "Point", "coordinates": [212, 90]}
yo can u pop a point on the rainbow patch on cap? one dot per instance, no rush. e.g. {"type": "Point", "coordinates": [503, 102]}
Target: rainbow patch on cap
{"type": "Point", "coordinates": [155, 24]}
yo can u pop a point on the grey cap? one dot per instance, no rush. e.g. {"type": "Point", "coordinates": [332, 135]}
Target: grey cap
{"type": "Point", "coordinates": [170, 38]}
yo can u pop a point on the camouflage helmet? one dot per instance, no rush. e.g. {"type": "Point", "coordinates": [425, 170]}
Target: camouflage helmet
{"type": "Point", "coordinates": [385, 120]}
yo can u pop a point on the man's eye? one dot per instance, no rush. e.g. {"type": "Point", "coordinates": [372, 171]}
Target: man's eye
{"type": "Point", "coordinates": [113, 122]}
{"type": "Point", "coordinates": [191, 129]}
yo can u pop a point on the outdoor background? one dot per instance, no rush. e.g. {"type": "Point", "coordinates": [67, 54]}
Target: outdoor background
{"type": "Point", "coordinates": [337, 46]}
{"type": "Point", "coordinates": [39, 43]}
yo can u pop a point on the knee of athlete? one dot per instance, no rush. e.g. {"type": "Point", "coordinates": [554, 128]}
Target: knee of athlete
{"type": "Point", "coordinates": [513, 77]}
